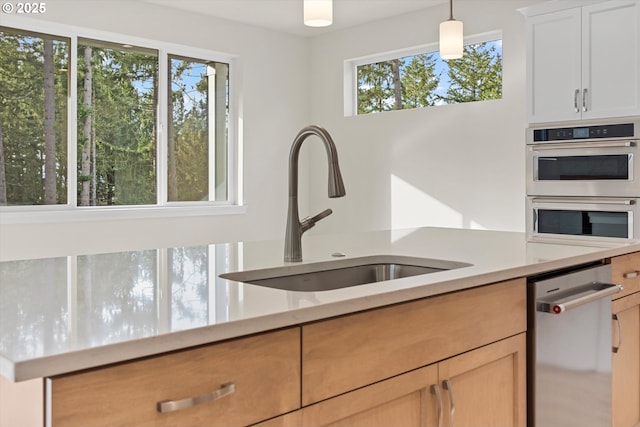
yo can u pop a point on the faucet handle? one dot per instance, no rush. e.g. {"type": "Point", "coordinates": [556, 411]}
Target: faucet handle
{"type": "Point", "coordinates": [309, 222]}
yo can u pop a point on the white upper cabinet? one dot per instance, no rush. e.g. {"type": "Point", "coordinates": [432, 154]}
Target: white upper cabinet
{"type": "Point", "coordinates": [584, 63]}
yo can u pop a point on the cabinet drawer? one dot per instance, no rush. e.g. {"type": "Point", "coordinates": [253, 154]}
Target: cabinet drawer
{"type": "Point", "coordinates": [264, 370]}
{"type": "Point", "coordinates": [342, 354]}
{"type": "Point", "coordinates": [625, 271]}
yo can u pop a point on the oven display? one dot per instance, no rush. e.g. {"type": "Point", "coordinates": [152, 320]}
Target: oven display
{"type": "Point", "coordinates": [580, 133]}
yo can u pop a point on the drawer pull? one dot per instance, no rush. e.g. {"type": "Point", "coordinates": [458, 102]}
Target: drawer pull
{"type": "Point", "coordinates": [436, 390]}
{"type": "Point", "coordinates": [631, 275]}
{"type": "Point", "coordinates": [446, 384]}
{"type": "Point", "coordinates": [616, 348]}
{"type": "Point", "coordinates": [176, 405]}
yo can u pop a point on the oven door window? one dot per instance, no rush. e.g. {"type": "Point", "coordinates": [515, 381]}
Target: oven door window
{"type": "Point", "coordinates": [583, 223]}
{"type": "Point", "coordinates": [576, 168]}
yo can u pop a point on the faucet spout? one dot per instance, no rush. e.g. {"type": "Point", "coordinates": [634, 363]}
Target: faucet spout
{"type": "Point", "coordinates": [295, 228]}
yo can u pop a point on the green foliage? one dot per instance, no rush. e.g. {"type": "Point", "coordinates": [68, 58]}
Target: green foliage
{"type": "Point", "coordinates": [116, 131]}
{"type": "Point", "coordinates": [189, 144]}
{"type": "Point", "coordinates": [22, 117]}
{"type": "Point", "coordinates": [477, 76]}
{"type": "Point", "coordinates": [123, 86]}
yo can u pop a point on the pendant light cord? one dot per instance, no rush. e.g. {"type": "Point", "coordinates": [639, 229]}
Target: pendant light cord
{"type": "Point", "coordinates": [450, 10]}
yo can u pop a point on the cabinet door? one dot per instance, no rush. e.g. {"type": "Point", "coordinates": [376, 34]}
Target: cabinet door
{"type": "Point", "coordinates": [403, 401]}
{"type": "Point", "coordinates": [611, 59]}
{"type": "Point", "coordinates": [486, 387]}
{"type": "Point", "coordinates": [626, 361]}
{"type": "Point", "coordinates": [553, 66]}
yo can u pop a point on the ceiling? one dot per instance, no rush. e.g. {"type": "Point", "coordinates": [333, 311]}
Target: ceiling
{"type": "Point", "coordinates": [286, 15]}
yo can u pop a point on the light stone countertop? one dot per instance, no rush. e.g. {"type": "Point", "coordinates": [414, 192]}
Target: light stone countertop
{"type": "Point", "coordinates": [65, 314]}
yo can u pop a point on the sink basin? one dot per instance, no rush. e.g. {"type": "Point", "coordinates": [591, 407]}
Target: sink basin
{"type": "Point", "coordinates": [345, 273]}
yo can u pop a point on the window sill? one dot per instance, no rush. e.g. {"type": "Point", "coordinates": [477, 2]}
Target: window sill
{"type": "Point", "coordinates": [58, 214]}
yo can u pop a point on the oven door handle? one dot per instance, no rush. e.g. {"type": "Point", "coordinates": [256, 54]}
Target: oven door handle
{"type": "Point", "coordinates": [582, 145]}
{"type": "Point", "coordinates": [602, 290]}
{"type": "Point", "coordinates": [584, 200]}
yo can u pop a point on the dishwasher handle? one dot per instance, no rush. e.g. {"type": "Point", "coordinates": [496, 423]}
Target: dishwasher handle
{"type": "Point", "coordinates": [602, 290]}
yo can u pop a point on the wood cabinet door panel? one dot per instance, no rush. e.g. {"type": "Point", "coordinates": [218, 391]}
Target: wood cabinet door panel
{"type": "Point", "coordinates": [487, 385]}
{"type": "Point", "coordinates": [403, 401]}
{"type": "Point", "coordinates": [265, 370]}
{"type": "Point", "coordinates": [626, 362]}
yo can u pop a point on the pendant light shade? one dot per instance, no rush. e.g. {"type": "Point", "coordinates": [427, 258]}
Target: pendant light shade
{"type": "Point", "coordinates": [318, 13]}
{"type": "Point", "coordinates": [451, 37]}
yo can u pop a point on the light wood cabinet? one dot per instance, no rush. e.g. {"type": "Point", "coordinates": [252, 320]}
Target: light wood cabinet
{"type": "Point", "coordinates": [407, 400]}
{"type": "Point", "coordinates": [345, 353]}
{"type": "Point", "coordinates": [263, 369]}
{"type": "Point", "coordinates": [625, 271]}
{"type": "Point", "coordinates": [626, 361]}
{"type": "Point", "coordinates": [488, 385]}
{"type": "Point", "coordinates": [380, 367]}
{"type": "Point", "coordinates": [484, 387]}
{"type": "Point", "coordinates": [579, 67]}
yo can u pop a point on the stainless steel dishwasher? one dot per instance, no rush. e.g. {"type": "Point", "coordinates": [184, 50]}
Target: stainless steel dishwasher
{"type": "Point", "coordinates": [569, 354]}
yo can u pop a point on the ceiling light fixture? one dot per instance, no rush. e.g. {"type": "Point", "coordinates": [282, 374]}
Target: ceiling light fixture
{"type": "Point", "coordinates": [451, 37]}
{"type": "Point", "coordinates": [318, 13]}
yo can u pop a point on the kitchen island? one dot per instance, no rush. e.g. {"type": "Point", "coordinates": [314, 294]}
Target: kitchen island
{"type": "Point", "coordinates": [82, 312]}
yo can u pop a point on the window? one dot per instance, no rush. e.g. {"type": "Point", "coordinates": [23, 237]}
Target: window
{"type": "Point", "coordinates": [117, 98]}
{"type": "Point", "coordinates": [151, 123]}
{"type": "Point", "coordinates": [197, 149]}
{"type": "Point", "coordinates": [33, 118]}
{"type": "Point", "coordinates": [421, 79]}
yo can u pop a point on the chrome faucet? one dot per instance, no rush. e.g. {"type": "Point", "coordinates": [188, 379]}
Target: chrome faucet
{"type": "Point", "coordinates": [295, 228]}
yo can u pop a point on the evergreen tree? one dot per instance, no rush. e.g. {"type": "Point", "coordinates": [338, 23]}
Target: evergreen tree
{"type": "Point", "coordinates": [375, 87]}
{"type": "Point", "coordinates": [477, 76]}
{"type": "Point", "coordinates": [420, 81]}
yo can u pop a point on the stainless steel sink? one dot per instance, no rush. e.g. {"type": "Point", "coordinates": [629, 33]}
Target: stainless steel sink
{"type": "Point", "coordinates": [345, 273]}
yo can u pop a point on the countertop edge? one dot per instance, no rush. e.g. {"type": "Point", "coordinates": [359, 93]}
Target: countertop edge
{"type": "Point", "coordinates": [152, 346]}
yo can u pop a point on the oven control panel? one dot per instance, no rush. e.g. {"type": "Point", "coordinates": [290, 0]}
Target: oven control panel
{"type": "Point", "coordinates": [584, 132]}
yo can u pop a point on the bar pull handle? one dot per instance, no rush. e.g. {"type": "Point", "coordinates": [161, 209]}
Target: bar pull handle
{"type": "Point", "coordinates": [582, 145]}
{"type": "Point", "coordinates": [585, 201]}
{"type": "Point", "coordinates": [575, 101]}
{"type": "Point", "coordinates": [631, 275]}
{"type": "Point", "coordinates": [602, 290]}
{"type": "Point", "coordinates": [446, 384]}
{"type": "Point", "coordinates": [585, 93]}
{"type": "Point", "coordinates": [436, 390]}
{"type": "Point", "coordinates": [176, 405]}
{"type": "Point", "coordinates": [616, 348]}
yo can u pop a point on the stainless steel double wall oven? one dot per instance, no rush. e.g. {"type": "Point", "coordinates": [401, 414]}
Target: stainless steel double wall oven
{"type": "Point", "coordinates": [583, 182]}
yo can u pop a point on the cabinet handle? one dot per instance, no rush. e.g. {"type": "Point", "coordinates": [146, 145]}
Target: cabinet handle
{"type": "Point", "coordinates": [436, 390]}
{"type": "Point", "coordinates": [575, 100]}
{"type": "Point", "coordinates": [584, 99]}
{"type": "Point", "coordinates": [616, 349]}
{"type": "Point", "coordinates": [446, 384]}
{"type": "Point", "coordinates": [176, 405]}
{"type": "Point", "coordinates": [631, 275]}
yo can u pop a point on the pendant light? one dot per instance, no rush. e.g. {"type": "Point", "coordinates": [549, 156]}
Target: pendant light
{"type": "Point", "coordinates": [318, 13]}
{"type": "Point", "coordinates": [451, 37]}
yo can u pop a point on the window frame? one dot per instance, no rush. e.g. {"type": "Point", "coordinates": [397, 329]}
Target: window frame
{"type": "Point", "coordinates": [351, 65]}
{"type": "Point", "coordinates": [71, 212]}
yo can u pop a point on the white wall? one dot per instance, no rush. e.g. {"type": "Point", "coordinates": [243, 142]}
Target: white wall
{"type": "Point", "coordinates": [273, 69]}
{"type": "Point", "coordinates": [453, 166]}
